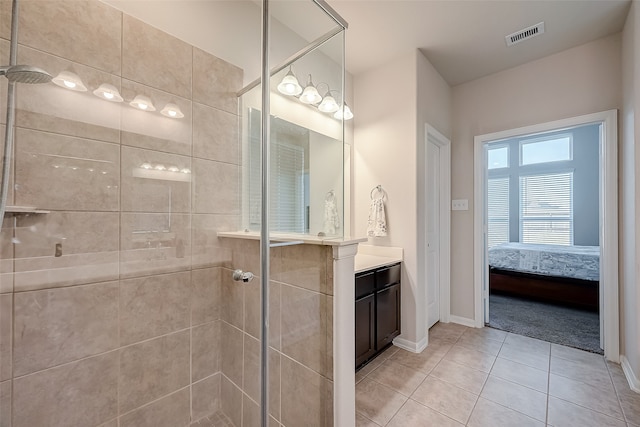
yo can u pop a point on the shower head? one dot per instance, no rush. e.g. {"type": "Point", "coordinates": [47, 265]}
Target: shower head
{"type": "Point", "coordinates": [25, 74]}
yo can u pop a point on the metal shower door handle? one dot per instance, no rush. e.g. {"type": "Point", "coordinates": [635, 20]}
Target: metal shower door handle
{"type": "Point", "coordinates": [241, 276]}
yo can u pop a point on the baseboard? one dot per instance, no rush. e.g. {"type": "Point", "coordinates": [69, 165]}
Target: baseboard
{"type": "Point", "coordinates": [632, 378]}
{"type": "Point", "coordinates": [462, 321]}
{"type": "Point", "coordinates": [412, 346]}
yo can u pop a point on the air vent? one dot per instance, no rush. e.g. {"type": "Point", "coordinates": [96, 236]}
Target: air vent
{"type": "Point", "coordinates": [527, 33]}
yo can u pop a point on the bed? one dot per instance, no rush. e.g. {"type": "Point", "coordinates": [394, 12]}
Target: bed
{"type": "Point", "coordinates": [567, 275]}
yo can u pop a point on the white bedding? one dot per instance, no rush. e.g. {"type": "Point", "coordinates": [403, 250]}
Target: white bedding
{"type": "Point", "coordinates": [579, 262]}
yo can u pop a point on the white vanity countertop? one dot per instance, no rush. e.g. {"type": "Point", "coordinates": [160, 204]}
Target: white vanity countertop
{"type": "Point", "coordinates": [294, 238]}
{"type": "Point", "coordinates": [370, 257]}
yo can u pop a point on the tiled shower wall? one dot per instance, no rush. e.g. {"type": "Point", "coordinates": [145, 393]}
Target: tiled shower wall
{"type": "Point", "coordinates": [124, 328]}
{"type": "Point", "coordinates": [138, 322]}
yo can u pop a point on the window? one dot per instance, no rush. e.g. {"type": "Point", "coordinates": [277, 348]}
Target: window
{"type": "Point", "coordinates": [546, 208]}
{"type": "Point", "coordinates": [498, 158]}
{"type": "Point", "coordinates": [534, 151]}
{"type": "Point", "coordinates": [498, 211]}
{"type": "Point", "coordinates": [287, 188]}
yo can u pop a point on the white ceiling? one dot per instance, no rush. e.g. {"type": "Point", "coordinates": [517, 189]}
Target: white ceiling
{"type": "Point", "coordinates": [464, 39]}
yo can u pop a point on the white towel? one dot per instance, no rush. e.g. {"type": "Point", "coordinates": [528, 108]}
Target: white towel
{"type": "Point", "coordinates": [331, 219]}
{"type": "Point", "coordinates": [377, 226]}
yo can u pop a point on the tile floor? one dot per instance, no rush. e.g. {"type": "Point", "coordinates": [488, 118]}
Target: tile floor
{"type": "Point", "coordinates": [486, 377]}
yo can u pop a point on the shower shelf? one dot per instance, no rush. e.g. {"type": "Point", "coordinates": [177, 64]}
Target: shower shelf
{"type": "Point", "coordinates": [19, 210]}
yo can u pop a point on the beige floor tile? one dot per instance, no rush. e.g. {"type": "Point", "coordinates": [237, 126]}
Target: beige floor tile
{"type": "Point", "coordinates": [576, 355]}
{"type": "Point", "coordinates": [412, 414]}
{"type": "Point", "coordinates": [423, 362]}
{"type": "Point", "coordinates": [585, 372]}
{"type": "Point", "coordinates": [490, 414]}
{"type": "Point", "coordinates": [398, 377]}
{"type": "Point", "coordinates": [486, 332]}
{"type": "Point", "coordinates": [520, 374]}
{"type": "Point", "coordinates": [536, 359]}
{"type": "Point", "coordinates": [480, 343]}
{"type": "Point", "coordinates": [516, 397]}
{"type": "Point", "coordinates": [630, 402]}
{"type": "Point", "coordinates": [585, 395]}
{"type": "Point", "coordinates": [362, 421]}
{"type": "Point", "coordinates": [461, 376]}
{"type": "Point", "coordinates": [445, 398]}
{"type": "Point", "coordinates": [527, 342]}
{"type": "Point", "coordinates": [471, 358]}
{"type": "Point", "coordinates": [377, 402]}
{"type": "Point", "coordinates": [566, 414]}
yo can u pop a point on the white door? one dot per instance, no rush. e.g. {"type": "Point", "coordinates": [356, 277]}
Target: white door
{"type": "Point", "coordinates": [433, 233]}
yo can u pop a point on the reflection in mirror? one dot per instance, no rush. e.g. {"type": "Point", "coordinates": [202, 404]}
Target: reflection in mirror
{"type": "Point", "coordinates": [306, 179]}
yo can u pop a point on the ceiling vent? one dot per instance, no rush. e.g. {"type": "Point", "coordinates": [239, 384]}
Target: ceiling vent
{"type": "Point", "coordinates": [527, 33]}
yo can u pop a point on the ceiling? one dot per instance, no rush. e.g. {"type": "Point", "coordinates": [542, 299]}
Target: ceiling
{"type": "Point", "coordinates": [464, 39]}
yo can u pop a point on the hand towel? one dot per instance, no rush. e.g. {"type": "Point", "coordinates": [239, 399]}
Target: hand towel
{"type": "Point", "coordinates": [377, 226]}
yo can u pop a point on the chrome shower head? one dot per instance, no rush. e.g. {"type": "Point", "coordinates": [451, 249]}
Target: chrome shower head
{"type": "Point", "coordinates": [25, 74]}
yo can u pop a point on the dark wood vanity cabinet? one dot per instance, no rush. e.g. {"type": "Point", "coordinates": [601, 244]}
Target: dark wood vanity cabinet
{"type": "Point", "coordinates": [377, 311]}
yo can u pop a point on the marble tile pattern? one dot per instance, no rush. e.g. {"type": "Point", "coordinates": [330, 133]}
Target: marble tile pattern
{"type": "Point", "coordinates": [506, 380]}
{"type": "Point", "coordinates": [108, 317]}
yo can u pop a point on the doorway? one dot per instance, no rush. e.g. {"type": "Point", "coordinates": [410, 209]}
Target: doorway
{"type": "Point", "coordinates": [607, 285]}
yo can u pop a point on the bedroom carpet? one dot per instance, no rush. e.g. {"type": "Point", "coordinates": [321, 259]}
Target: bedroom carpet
{"type": "Point", "coordinates": [560, 325]}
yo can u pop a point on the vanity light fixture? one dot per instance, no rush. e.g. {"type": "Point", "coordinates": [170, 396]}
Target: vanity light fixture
{"type": "Point", "coordinates": [143, 103]}
{"type": "Point", "coordinates": [289, 84]}
{"type": "Point", "coordinates": [172, 110]}
{"type": "Point", "coordinates": [328, 104]}
{"type": "Point", "coordinates": [310, 94]}
{"type": "Point", "coordinates": [108, 92]}
{"type": "Point", "coordinates": [69, 80]}
{"type": "Point", "coordinates": [343, 113]}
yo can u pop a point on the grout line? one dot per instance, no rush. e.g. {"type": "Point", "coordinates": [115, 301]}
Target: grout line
{"type": "Point", "coordinates": [546, 419]}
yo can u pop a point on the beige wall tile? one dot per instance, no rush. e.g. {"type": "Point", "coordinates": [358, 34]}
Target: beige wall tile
{"type": "Point", "coordinates": [205, 397]}
{"type": "Point", "coordinates": [4, 56]}
{"type": "Point", "coordinates": [5, 21]}
{"type": "Point", "coordinates": [304, 395]}
{"type": "Point", "coordinates": [252, 320]}
{"type": "Point", "coordinates": [154, 243]}
{"type": "Point", "coordinates": [208, 249]}
{"type": "Point", "coordinates": [232, 309]}
{"type": "Point", "coordinates": [151, 129]}
{"type": "Point", "coordinates": [251, 380]}
{"type": "Point", "coordinates": [304, 327]}
{"type": "Point", "coordinates": [215, 82]}
{"type": "Point", "coordinates": [88, 32]}
{"type": "Point", "coordinates": [76, 232]}
{"type": "Point", "coordinates": [206, 295]}
{"type": "Point", "coordinates": [61, 325]}
{"type": "Point", "coordinates": [6, 254]}
{"type": "Point", "coordinates": [231, 401]}
{"type": "Point", "coordinates": [55, 109]}
{"type": "Point", "coordinates": [143, 194]}
{"type": "Point", "coordinates": [154, 305]}
{"type": "Point", "coordinates": [205, 350]}
{"type": "Point", "coordinates": [250, 412]}
{"type": "Point", "coordinates": [275, 382]}
{"type": "Point", "coordinates": [79, 394]}
{"type": "Point", "coordinates": [5, 403]}
{"type": "Point", "coordinates": [67, 270]}
{"type": "Point", "coordinates": [170, 411]}
{"type": "Point", "coordinates": [155, 58]}
{"type": "Point", "coordinates": [64, 173]}
{"type": "Point", "coordinates": [6, 331]}
{"type": "Point", "coordinates": [215, 187]}
{"type": "Point", "coordinates": [215, 134]}
{"type": "Point", "coordinates": [152, 369]}
{"type": "Point", "coordinates": [302, 265]}
{"type": "Point", "coordinates": [231, 359]}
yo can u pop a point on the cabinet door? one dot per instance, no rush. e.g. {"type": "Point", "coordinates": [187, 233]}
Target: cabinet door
{"type": "Point", "coordinates": [387, 315]}
{"type": "Point", "coordinates": [365, 329]}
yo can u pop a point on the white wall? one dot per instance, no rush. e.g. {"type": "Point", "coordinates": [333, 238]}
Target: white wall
{"type": "Point", "coordinates": [629, 163]}
{"type": "Point", "coordinates": [581, 80]}
{"type": "Point", "coordinates": [392, 104]}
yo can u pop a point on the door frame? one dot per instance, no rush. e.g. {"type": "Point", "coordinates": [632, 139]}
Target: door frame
{"type": "Point", "coordinates": [609, 302]}
{"type": "Point", "coordinates": [432, 135]}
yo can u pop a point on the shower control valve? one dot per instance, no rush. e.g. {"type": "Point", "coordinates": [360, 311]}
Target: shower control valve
{"type": "Point", "coordinates": [239, 275]}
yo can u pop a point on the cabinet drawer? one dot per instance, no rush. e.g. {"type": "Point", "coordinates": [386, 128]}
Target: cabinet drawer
{"type": "Point", "coordinates": [388, 276]}
{"type": "Point", "coordinates": [365, 284]}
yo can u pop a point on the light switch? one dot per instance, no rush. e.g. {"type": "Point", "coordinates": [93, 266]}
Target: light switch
{"type": "Point", "coordinates": [460, 205]}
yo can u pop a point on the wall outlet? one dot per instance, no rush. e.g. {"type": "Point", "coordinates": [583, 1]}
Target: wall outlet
{"type": "Point", "coordinates": [460, 205]}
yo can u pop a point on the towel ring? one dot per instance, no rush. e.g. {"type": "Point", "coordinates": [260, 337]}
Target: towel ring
{"type": "Point", "coordinates": [379, 189]}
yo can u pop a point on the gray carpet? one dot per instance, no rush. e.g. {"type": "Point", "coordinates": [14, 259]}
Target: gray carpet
{"type": "Point", "coordinates": [560, 325]}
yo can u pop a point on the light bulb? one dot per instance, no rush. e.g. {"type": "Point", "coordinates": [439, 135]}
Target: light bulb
{"type": "Point", "coordinates": [289, 84]}
{"type": "Point", "coordinates": [173, 169]}
{"type": "Point", "coordinates": [328, 104]}
{"type": "Point", "coordinates": [69, 80]}
{"type": "Point", "coordinates": [160, 168]}
{"type": "Point", "coordinates": [108, 92]}
{"type": "Point", "coordinates": [172, 110]}
{"type": "Point", "coordinates": [343, 113]}
{"type": "Point", "coordinates": [143, 103]}
{"type": "Point", "coordinates": [310, 94]}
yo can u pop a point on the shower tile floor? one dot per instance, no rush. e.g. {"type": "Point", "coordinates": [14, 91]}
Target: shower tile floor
{"type": "Point", "coordinates": [217, 419]}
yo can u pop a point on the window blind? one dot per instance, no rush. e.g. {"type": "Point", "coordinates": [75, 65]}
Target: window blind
{"type": "Point", "coordinates": [287, 188]}
{"type": "Point", "coordinates": [546, 208]}
{"type": "Point", "coordinates": [497, 211]}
